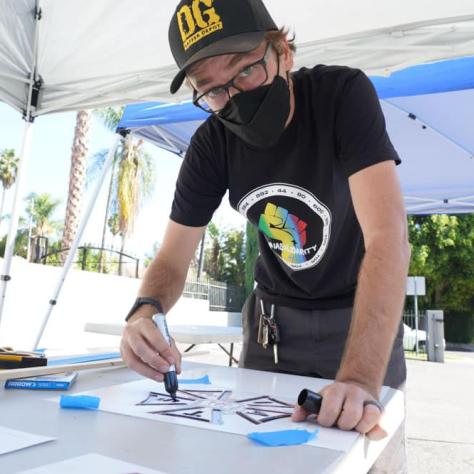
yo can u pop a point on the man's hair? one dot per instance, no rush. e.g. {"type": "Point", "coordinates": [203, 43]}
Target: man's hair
{"type": "Point", "coordinates": [276, 37]}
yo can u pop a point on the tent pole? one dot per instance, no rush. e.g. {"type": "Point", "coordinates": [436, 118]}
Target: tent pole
{"type": "Point", "coordinates": [75, 244]}
{"type": "Point", "coordinates": [10, 243]}
{"type": "Point", "coordinates": [34, 86]}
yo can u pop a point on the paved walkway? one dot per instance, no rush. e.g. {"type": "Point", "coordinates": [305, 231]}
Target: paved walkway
{"type": "Point", "coordinates": [440, 415]}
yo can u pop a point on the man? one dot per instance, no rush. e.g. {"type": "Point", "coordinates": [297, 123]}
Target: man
{"type": "Point", "coordinates": [305, 157]}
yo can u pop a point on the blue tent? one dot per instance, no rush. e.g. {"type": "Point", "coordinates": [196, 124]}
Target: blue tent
{"type": "Point", "coordinates": [429, 110]}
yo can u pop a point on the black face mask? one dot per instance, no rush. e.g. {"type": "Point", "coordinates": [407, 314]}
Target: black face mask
{"type": "Point", "coordinates": [258, 116]}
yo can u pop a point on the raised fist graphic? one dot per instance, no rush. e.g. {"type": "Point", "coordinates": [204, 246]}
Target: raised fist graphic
{"type": "Point", "coordinates": [278, 224]}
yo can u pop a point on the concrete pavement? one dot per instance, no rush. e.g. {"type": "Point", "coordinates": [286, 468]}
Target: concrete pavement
{"type": "Point", "coordinates": [440, 415]}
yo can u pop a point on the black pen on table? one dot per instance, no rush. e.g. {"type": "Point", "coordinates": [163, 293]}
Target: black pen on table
{"type": "Point", "coordinates": [171, 379]}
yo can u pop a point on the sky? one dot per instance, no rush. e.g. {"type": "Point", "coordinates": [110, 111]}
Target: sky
{"type": "Point", "coordinates": [47, 171]}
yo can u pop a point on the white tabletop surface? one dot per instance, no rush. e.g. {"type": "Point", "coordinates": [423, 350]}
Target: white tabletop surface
{"type": "Point", "coordinates": [186, 334]}
{"type": "Point", "coordinates": [206, 334]}
{"type": "Point", "coordinates": [170, 447]}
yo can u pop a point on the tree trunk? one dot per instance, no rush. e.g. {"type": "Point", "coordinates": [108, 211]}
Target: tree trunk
{"type": "Point", "coordinates": [2, 202]}
{"type": "Point", "coordinates": [122, 248]}
{"type": "Point", "coordinates": [76, 180]}
{"type": "Point", "coordinates": [104, 227]}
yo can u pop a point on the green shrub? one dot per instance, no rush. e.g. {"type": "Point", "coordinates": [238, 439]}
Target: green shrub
{"type": "Point", "coordinates": [459, 327]}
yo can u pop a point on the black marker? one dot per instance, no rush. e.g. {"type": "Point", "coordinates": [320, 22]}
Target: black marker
{"type": "Point", "coordinates": [310, 401]}
{"type": "Point", "coordinates": [171, 380]}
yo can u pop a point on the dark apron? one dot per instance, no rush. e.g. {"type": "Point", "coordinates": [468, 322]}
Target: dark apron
{"type": "Point", "coordinates": [311, 342]}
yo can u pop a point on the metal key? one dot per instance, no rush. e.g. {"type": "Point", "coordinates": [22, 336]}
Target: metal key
{"type": "Point", "coordinates": [265, 334]}
{"type": "Point", "coordinates": [275, 352]}
{"type": "Point", "coordinates": [274, 338]}
{"type": "Point", "coordinates": [260, 324]}
{"type": "Point", "coordinates": [260, 330]}
{"type": "Point", "coordinates": [274, 333]}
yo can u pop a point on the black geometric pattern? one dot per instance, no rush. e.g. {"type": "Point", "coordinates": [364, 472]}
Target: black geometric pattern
{"type": "Point", "coordinates": [210, 405]}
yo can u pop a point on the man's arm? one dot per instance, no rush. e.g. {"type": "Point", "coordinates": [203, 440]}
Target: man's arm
{"type": "Point", "coordinates": [381, 283]}
{"type": "Point", "coordinates": [378, 204]}
{"type": "Point", "coordinates": [143, 348]}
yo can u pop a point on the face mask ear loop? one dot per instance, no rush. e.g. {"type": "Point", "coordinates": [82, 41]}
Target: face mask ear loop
{"type": "Point", "coordinates": [278, 67]}
{"type": "Point", "coordinates": [278, 61]}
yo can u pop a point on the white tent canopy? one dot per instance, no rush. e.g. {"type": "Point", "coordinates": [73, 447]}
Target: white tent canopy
{"type": "Point", "coordinates": [93, 53]}
{"type": "Point", "coordinates": [59, 55]}
{"type": "Point", "coordinates": [429, 112]}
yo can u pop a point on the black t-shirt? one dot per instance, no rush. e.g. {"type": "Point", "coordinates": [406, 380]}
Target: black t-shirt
{"type": "Point", "coordinates": [296, 192]}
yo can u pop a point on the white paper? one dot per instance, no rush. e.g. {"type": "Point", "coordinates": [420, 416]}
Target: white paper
{"type": "Point", "coordinates": [123, 399]}
{"type": "Point", "coordinates": [91, 463]}
{"type": "Point", "coordinates": [13, 440]}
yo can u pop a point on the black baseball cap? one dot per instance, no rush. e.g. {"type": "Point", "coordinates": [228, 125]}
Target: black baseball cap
{"type": "Point", "coordinates": [200, 29]}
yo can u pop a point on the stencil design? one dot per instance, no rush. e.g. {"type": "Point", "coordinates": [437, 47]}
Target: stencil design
{"type": "Point", "coordinates": [210, 405]}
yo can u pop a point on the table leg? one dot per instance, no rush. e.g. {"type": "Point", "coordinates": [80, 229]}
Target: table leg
{"type": "Point", "coordinates": [230, 354]}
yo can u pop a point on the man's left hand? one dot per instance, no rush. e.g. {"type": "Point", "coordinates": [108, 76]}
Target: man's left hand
{"type": "Point", "coordinates": [343, 406]}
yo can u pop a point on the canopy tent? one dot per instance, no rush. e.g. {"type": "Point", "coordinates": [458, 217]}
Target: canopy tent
{"type": "Point", "coordinates": [429, 110]}
{"type": "Point", "coordinates": [84, 54]}
{"type": "Point", "coordinates": [58, 56]}
{"type": "Point", "coordinates": [168, 126]}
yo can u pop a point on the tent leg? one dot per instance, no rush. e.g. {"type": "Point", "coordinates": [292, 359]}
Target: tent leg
{"type": "Point", "coordinates": [15, 214]}
{"type": "Point", "coordinates": [75, 244]}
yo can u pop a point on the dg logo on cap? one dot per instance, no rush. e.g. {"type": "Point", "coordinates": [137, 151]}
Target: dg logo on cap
{"type": "Point", "coordinates": [197, 20]}
{"type": "Point", "coordinates": [201, 29]}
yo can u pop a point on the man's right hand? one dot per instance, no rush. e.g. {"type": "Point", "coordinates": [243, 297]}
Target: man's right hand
{"type": "Point", "coordinates": [143, 347]}
{"type": "Point", "coordinates": [145, 350]}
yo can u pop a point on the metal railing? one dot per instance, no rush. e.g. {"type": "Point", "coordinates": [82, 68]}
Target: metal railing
{"type": "Point", "coordinates": [87, 258]}
{"type": "Point", "coordinates": [221, 295]}
{"type": "Point", "coordinates": [414, 340]}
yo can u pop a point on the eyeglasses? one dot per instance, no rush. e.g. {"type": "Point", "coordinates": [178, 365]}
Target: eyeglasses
{"type": "Point", "coordinates": [250, 77]}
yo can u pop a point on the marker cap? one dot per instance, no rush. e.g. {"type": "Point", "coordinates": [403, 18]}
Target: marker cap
{"type": "Point", "coordinates": [310, 401]}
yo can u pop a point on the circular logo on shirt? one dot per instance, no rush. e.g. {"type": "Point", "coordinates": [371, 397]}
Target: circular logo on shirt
{"type": "Point", "coordinates": [296, 225]}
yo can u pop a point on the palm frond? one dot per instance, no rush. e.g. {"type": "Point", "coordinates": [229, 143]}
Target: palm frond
{"type": "Point", "coordinates": [41, 208]}
{"type": "Point", "coordinates": [8, 167]}
{"type": "Point", "coordinates": [110, 116]}
{"type": "Point", "coordinates": [95, 163]}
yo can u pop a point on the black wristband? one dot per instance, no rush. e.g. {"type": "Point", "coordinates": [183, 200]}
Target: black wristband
{"type": "Point", "coordinates": [141, 301]}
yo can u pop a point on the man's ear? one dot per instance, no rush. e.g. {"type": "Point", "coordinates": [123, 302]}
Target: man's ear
{"type": "Point", "coordinates": [286, 55]}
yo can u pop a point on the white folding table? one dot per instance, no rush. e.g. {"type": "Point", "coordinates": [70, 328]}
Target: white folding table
{"type": "Point", "coordinates": [185, 334]}
{"type": "Point", "coordinates": [173, 448]}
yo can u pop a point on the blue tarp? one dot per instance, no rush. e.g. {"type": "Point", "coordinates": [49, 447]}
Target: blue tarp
{"type": "Point", "coordinates": [429, 110]}
{"type": "Point", "coordinates": [444, 76]}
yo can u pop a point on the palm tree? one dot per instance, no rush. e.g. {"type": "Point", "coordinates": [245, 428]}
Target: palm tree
{"type": "Point", "coordinates": [76, 180]}
{"type": "Point", "coordinates": [8, 172]}
{"type": "Point", "coordinates": [40, 209]}
{"type": "Point", "coordinates": [135, 184]}
{"type": "Point", "coordinates": [131, 181]}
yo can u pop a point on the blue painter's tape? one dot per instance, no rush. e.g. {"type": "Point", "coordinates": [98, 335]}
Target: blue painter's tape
{"type": "Point", "coordinates": [84, 402]}
{"type": "Point", "coordinates": [283, 438]}
{"type": "Point", "coordinates": [202, 381]}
